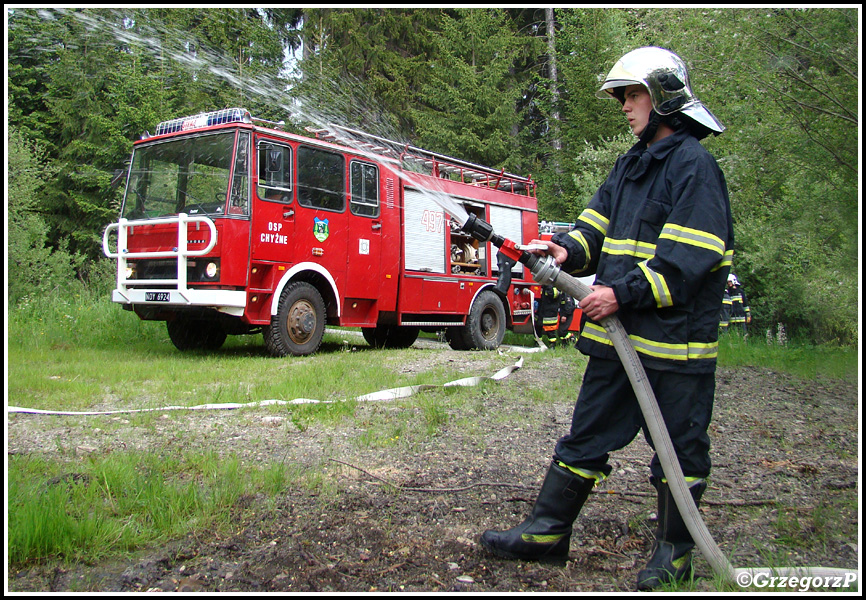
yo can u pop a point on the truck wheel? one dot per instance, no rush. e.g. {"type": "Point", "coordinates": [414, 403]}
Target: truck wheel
{"type": "Point", "coordinates": [485, 326]}
{"type": "Point", "coordinates": [390, 336]}
{"type": "Point", "coordinates": [299, 325]}
{"type": "Point", "coordinates": [195, 334]}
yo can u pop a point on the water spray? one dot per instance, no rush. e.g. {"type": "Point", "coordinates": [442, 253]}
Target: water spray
{"type": "Point", "coordinates": [545, 271]}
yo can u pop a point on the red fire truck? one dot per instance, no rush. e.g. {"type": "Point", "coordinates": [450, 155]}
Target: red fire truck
{"type": "Point", "coordinates": [230, 225]}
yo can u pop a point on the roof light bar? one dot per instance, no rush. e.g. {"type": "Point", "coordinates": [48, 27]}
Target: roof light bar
{"type": "Point", "coordinates": [208, 119]}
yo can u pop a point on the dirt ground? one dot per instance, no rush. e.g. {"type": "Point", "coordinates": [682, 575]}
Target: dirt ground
{"type": "Point", "coordinates": [784, 489]}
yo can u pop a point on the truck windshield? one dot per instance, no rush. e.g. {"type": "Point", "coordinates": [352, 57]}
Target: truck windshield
{"type": "Point", "coordinates": [188, 175]}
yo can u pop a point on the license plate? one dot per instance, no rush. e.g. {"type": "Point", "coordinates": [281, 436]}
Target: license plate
{"type": "Point", "coordinates": [157, 296]}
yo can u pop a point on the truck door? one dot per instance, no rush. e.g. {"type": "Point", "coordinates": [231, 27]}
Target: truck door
{"type": "Point", "coordinates": [363, 277]}
{"type": "Point", "coordinates": [321, 223]}
{"type": "Point", "coordinates": [275, 208]}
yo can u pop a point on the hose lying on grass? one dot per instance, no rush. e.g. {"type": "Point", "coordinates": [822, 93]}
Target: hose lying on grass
{"type": "Point", "coordinates": [380, 396]}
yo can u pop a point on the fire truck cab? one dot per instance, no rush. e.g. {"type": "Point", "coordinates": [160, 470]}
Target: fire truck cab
{"type": "Point", "coordinates": [230, 225]}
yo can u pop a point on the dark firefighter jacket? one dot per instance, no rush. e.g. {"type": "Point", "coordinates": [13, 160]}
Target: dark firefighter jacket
{"type": "Point", "coordinates": [659, 232]}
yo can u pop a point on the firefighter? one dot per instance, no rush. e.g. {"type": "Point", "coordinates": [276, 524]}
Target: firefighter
{"type": "Point", "coordinates": [554, 314]}
{"type": "Point", "coordinates": [658, 236]}
{"type": "Point", "coordinates": [741, 314]}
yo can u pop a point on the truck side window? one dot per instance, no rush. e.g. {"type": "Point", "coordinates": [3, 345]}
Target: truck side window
{"type": "Point", "coordinates": [364, 185]}
{"type": "Point", "coordinates": [239, 203]}
{"type": "Point", "coordinates": [321, 179]}
{"type": "Point", "coordinates": [275, 172]}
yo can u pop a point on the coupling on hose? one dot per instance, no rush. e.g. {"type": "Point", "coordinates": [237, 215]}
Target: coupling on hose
{"type": "Point", "coordinates": [544, 270]}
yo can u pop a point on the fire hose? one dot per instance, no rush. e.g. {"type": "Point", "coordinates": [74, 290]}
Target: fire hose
{"type": "Point", "coordinates": [546, 272]}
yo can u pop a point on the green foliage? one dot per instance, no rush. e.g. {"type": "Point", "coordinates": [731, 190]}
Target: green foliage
{"type": "Point", "coordinates": [588, 41]}
{"type": "Point", "coordinates": [32, 266]}
{"type": "Point", "coordinates": [87, 82]}
{"type": "Point", "coordinates": [783, 81]}
{"type": "Point", "coordinates": [363, 67]}
{"type": "Point", "coordinates": [590, 167]}
{"type": "Point", "coordinates": [467, 105]}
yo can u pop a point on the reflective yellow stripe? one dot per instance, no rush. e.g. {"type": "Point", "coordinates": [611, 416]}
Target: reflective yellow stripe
{"type": "Point", "coordinates": [596, 333]}
{"type": "Point", "coordinates": [679, 563]}
{"type": "Point", "coordinates": [660, 349]}
{"type": "Point", "coordinates": [595, 219]}
{"type": "Point", "coordinates": [659, 285]}
{"type": "Point", "coordinates": [687, 351]}
{"type": "Point", "coordinates": [727, 260]}
{"type": "Point", "coordinates": [699, 350]}
{"type": "Point", "coordinates": [578, 236]}
{"type": "Point", "coordinates": [689, 480]}
{"type": "Point", "coordinates": [694, 237]}
{"type": "Point", "coordinates": [542, 539]}
{"type": "Point", "coordinates": [598, 476]}
{"type": "Point", "coordinates": [629, 248]}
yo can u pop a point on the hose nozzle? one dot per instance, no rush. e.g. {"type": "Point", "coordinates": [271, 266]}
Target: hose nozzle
{"type": "Point", "coordinates": [480, 229]}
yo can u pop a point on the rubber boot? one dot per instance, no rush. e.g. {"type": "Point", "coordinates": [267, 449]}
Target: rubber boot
{"type": "Point", "coordinates": [545, 535]}
{"type": "Point", "coordinates": [671, 559]}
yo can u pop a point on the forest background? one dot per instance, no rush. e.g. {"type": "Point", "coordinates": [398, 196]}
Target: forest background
{"type": "Point", "coordinates": [509, 88]}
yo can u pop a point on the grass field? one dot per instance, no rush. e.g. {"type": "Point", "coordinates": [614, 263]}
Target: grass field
{"type": "Point", "coordinates": [84, 353]}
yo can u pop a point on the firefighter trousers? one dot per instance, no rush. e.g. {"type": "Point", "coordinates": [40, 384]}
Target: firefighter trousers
{"type": "Point", "coordinates": [607, 417]}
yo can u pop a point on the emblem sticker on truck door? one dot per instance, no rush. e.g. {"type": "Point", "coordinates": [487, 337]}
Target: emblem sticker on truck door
{"type": "Point", "coordinates": [320, 229]}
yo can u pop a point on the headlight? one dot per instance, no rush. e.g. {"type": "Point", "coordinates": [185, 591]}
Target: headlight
{"type": "Point", "coordinates": [211, 270]}
{"type": "Point", "coordinates": [130, 272]}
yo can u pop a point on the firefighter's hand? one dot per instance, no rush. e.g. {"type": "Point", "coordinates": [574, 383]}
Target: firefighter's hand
{"type": "Point", "coordinates": [558, 253]}
{"type": "Point", "coordinates": [600, 303]}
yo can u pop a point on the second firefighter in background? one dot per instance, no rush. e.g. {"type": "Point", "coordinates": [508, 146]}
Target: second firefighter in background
{"type": "Point", "coordinates": [554, 315]}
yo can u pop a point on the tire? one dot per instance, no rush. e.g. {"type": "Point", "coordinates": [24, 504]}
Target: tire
{"type": "Point", "coordinates": [299, 325]}
{"type": "Point", "coordinates": [195, 334]}
{"type": "Point", "coordinates": [390, 336]}
{"type": "Point", "coordinates": [485, 326]}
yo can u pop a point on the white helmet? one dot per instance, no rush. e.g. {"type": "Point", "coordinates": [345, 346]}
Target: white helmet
{"type": "Point", "coordinates": [665, 77]}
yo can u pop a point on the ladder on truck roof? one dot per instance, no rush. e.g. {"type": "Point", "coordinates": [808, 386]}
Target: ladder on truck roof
{"type": "Point", "coordinates": [438, 164]}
